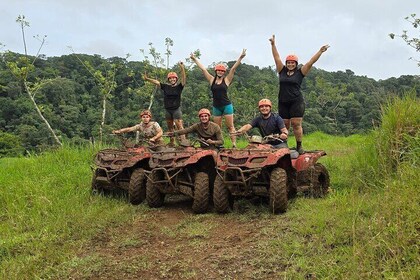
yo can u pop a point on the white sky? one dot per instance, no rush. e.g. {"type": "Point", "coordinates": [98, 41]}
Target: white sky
{"type": "Point", "coordinates": [356, 30]}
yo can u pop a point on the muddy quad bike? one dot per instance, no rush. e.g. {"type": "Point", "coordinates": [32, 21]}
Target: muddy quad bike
{"type": "Point", "coordinates": [261, 170]}
{"type": "Point", "coordinates": [182, 170]}
{"type": "Point", "coordinates": [123, 168]}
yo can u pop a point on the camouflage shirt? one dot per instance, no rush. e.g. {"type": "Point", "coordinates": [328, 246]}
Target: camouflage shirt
{"type": "Point", "coordinates": [150, 130]}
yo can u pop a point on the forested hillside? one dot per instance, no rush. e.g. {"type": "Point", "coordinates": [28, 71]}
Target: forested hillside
{"type": "Point", "coordinates": [70, 98]}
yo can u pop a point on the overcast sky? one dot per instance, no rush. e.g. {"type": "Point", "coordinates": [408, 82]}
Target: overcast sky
{"type": "Point", "coordinates": [356, 30]}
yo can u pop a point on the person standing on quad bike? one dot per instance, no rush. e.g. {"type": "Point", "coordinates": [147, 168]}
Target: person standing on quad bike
{"type": "Point", "coordinates": [222, 106]}
{"type": "Point", "coordinates": [148, 128]}
{"type": "Point", "coordinates": [268, 123]}
{"type": "Point", "coordinates": [172, 98]}
{"type": "Point", "coordinates": [291, 104]}
{"type": "Point", "coordinates": [209, 131]}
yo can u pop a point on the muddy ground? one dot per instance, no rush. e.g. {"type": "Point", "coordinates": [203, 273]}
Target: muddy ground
{"type": "Point", "coordinates": [173, 243]}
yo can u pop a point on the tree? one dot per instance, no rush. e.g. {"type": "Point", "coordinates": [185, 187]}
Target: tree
{"type": "Point", "coordinates": [411, 41]}
{"type": "Point", "coordinates": [168, 43]}
{"type": "Point", "coordinates": [157, 68]}
{"type": "Point", "coordinates": [105, 80]}
{"type": "Point", "coordinates": [23, 67]}
{"type": "Point", "coordinates": [10, 145]}
{"type": "Point", "coordinates": [327, 97]}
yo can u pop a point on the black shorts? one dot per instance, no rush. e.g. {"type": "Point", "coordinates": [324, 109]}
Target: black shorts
{"type": "Point", "coordinates": [292, 109]}
{"type": "Point", "coordinates": [174, 114]}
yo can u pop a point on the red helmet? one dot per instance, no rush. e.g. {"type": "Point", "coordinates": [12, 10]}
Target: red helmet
{"type": "Point", "coordinates": [264, 101]}
{"type": "Point", "coordinates": [204, 111]}
{"type": "Point", "coordinates": [172, 75]}
{"type": "Point", "coordinates": [292, 57]}
{"type": "Point", "coordinates": [220, 67]}
{"type": "Point", "coordinates": [146, 112]}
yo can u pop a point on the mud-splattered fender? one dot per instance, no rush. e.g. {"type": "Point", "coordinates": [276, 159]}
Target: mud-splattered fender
{"type": "Point", "coordinates": [307, 159]}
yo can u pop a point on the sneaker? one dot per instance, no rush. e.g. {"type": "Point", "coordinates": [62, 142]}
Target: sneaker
{"type": "Point", "coordinates": [300, 150]}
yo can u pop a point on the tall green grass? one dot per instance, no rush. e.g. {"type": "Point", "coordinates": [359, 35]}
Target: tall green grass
{"type": "Point", "coordinates": [388, 236]}
{"type": "Point", "coordinates": [46, 210]}
{"type": "Point", "coordinates": [399, 134]}
{"type": "Point", "coordinates": [395, 144]}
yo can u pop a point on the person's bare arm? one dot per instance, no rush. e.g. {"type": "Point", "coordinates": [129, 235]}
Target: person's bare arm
{"type": "Point", "coordinates": [276, 56]}
{"type": "Point", "coordinates": [183, 74]}
{"type": "Point", "coordinates": [244, 128]}
{"type": "Point", "coordinates": [153, 81]}
{"type": "Point", "coordinates": [206, 73]}
{"type": "Point", "coordinates": [307, 67]}
{"type": "Point", "coordinates": [229, 76]}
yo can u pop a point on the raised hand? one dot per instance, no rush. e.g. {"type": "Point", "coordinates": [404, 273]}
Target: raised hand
{"type": "Point", "coordinates": [324, 48]}
{"type": "Point", "coordinates": [243, 54]}
{"type": "Point", "coordinates": [272, 39]}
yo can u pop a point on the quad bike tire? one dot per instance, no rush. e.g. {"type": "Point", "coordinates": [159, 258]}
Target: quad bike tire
{"type": "Point", "coordinates": [222, 200]}
{"type": "Point", "coordinates": [320, 181]}
{"type": "Point", "coordinates": [278, 191]}
{"type": "Point", "coordinates": [154, 196]}
{"type": "Point", "coordinates": [291, 185]}
{"type": "Point", "coordinates": [201, 193]}
{"type": "Point", "coordinates": [137, 187]}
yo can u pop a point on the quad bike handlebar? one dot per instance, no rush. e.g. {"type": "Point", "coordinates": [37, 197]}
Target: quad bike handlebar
{"type": "Point", "coordinates": [237, 133]}
{"type": "Point", "coordinates": [192, 141]}
{"type": "Point", "coordinates": [259, 139]}
{"type": "Point", "coordinates": [273, 137]}
{"type": "Point", "coordinates": [127, 143]}
{"type": "Point", "coordinates": [202, 141]}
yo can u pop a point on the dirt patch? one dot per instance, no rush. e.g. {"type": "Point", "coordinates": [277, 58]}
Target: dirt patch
{"type": "Point", "coordinates": [173, 243]}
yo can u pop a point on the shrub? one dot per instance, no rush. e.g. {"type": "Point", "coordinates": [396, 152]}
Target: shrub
{"type": "Point", "coordinates": [10, 145]}
{"type": "Point", "coordinates": [397, 139]}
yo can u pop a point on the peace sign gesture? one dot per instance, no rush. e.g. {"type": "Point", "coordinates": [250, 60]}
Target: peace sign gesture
{"type": "Point", "coordinates": [243, 54]}
{"type": "Point", "coordinates": [272, 39]}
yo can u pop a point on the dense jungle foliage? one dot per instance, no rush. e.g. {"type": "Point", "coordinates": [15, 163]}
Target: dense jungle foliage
{"type": "Point", "coordinates": [70, 98]}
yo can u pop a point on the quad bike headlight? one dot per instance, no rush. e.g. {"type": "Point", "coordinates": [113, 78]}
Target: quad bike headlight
{"type": "Point", "coordinates": [120, 162]}
{"type": "Point", "coordinates": [258, 159]}
{"type": "Point", "coordinates": [224, 159]}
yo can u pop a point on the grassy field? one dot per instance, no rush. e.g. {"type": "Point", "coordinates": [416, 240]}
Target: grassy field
{"type": "Point", "coordinates": [367, 228]}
